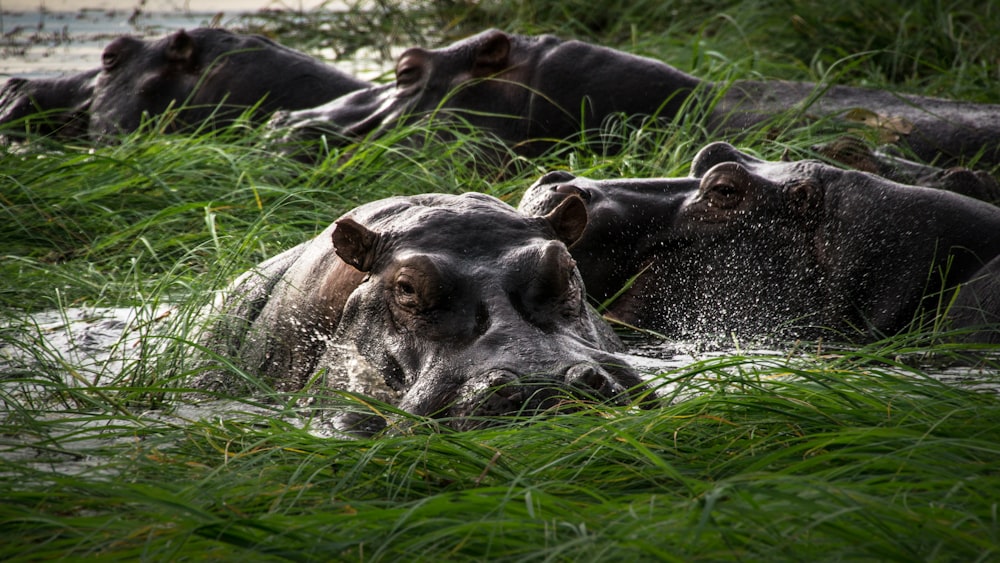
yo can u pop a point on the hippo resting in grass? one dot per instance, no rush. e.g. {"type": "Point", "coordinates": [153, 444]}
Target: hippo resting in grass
{"type": "Point", "coordinates": [215, 74]}
{"type": "Point", "coordinates": [48, 106]}
{"type": "Point", "coordinates": [789, 249]}
{"type": "Point", "coordinates": [461, 306]}
{"type": "Point", "coordinates": [531, 92]}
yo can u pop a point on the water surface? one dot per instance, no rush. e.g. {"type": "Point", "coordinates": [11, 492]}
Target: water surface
{"type": "Point", "coordinates": [52, 37]}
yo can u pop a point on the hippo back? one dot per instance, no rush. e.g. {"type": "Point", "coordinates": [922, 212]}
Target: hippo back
{"type": "Point", "coordinates": [214, 74]}
{"type": "Point", "coordinates": [47, 106]}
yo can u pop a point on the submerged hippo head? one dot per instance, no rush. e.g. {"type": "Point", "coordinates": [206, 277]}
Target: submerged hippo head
{"type": "Point", "coordinates": [516, 88]}
{"type": "Point", "coordinates": [47, 106]}
{"type": "Point", "coordinates": [463, 308]}
{"type": "Point", "coordinates": [214, 74]}
{"type": "Point", "coordinates": [752, 247]}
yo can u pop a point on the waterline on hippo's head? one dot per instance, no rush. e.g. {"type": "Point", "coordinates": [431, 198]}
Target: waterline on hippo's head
{"type": "Point", "coordinates": [457, 308]}
{"type": "Point", "coordinates": [534, 93]}
{"type": "Point", "coordinates": [794, 249]}
{"type": "Point", "coordinates": [479, 398]}
{"type": "Point", "coordinates": [530, 93]}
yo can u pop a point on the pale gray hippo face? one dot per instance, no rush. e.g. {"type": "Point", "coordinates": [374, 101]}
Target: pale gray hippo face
{"type": "Point", "coordinates": [213, 74]}
{"type": "Point", "coordinates": [472, 311]}
{"type": "Point", "coordinates": [754, 248]}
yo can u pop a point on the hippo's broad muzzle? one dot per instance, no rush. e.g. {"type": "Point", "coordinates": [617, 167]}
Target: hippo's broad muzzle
{"type": "Point", "coordinates": [344, 120]}
{"type": "Point", "coordinates": [486, 398]}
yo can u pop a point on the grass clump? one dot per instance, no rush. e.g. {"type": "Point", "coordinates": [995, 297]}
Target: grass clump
{"type": "Point", "coordinates": [881, 452]}
{"type": "Point", "coordinates": [774, 458]}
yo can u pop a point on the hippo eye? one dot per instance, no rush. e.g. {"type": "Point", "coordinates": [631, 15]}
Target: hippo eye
{"type": "Point", "coordinates": [406, 292]}
{"type": "Point", "coordinates": [407, 76]}
{"type": "Point", "coordinates": [109, 59]}
{"type": "Point", "coordinates": [724, 194]}
{"type": "Point", "coordinates": [725, 186]}
{"type": "Point", "coordinates": [419, 287]}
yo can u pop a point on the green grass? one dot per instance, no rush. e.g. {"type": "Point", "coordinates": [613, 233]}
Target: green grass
{"type": "Point", "coordinates": [775, 458]}
{"type": "Point", "coordinates": [821, 453]}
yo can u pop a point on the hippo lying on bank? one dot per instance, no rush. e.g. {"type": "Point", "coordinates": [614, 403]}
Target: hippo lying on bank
{"type": "Point", "coordinates": [531, 92]}
{"type": "Point", "coordinates": [214, 74]}
{"type": "Point", "coordinates": [792, 249]}
{"type": "Point", "coordinates": [460, 305]}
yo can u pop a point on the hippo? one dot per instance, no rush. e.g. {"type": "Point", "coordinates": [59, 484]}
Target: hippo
{"type": "Point", "coordinates": [460, 306]}
{"type": "Point", "coordinates": [47, 106]}
{"type": "Point", "coordinates": [800, 249]}
{"type": "Point", "coordinates": [214, 74]}
{"type": "Point", "coordinates": [534, 91]}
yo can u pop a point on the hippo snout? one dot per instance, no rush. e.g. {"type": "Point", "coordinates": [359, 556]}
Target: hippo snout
{"type": "Point", "coordinates": [12, 87]}
{"type": "Point", "coordinates": [591, 379]}
{"type": "Point", "coordinates": [506, 393]}
{"type": "Point", "coordinates": [14, 104]}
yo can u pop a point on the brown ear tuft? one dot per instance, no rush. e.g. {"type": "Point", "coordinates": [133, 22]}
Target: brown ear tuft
{"type": "Point", "coordinates": [355, 244]}
{"type": "Point", "coordinates": [569, 219]}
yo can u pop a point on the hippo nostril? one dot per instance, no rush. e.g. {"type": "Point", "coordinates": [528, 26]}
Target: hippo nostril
{"type": "Point", "coordinates": [482, 320]}
{"type": "Point", "coordinates": [506, 387]}
{"type": "Point", "coordinates": [359, 424]}
{"type": "Point", "coordinates": [570, 189]}
{"type": "Point", "coordinates": [591, 378]}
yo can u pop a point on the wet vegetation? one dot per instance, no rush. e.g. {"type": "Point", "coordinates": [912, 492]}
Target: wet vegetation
{"type": "Point", "coordinates": [819, 452]}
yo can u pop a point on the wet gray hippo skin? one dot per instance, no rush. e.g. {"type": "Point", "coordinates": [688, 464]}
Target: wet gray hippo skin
{"type": "Point", "coordinates": [534, 91]}
{"type": "Point", "coordinates": [200, 69]}
{"type": "Point", "coordinates": [791, 249]}
{"type": "Point", "coordinates": [519, 88]}
{"type": "Point", "coordinates": [46, 106]}
{"type": "Point", "coordinates": [462, 306]}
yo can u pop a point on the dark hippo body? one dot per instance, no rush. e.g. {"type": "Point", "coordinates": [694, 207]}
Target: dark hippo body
{"type": "Point", "coordinates": [447, 298]}
{"type": "Point", "coordinates": [532, 92]}
{"type": "Point", "coordinates": [47, 106]}
{"type": "Point", "coordinates": [792, 249]}
{"type": "Point", "coordinates": [215, 74]}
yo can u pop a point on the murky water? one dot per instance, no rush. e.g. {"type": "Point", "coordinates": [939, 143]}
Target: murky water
{"type": "Point", "coordinates": [41, 38]}
{"type": "Point", "coordinates": [37, 44]}
{"type": "Point", "coordinates": [85, 347]}
{"type": "Point", "coordinates": [92, 346]}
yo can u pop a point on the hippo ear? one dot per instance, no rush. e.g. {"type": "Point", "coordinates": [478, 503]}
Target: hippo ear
{"type": "Point", "coordinates": [181, 48]}
{"type": "Point", "coordinates": [355, 244]}
{"type": "Point", "coordinates": [491, 56]}
{"type": "Point", "coordinates": [568, 219]}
